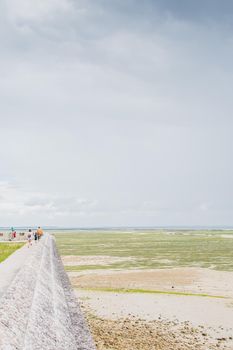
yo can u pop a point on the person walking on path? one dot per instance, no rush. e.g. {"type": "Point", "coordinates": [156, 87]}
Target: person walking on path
{"type": "Point", "coordinates": [12, 234]}
{"type": "Point", "coordinates": [29, 238]}
{"type": "Point", "coordinates": [39, 232]}
{"type": "Point", "coordinates": [36, 236]}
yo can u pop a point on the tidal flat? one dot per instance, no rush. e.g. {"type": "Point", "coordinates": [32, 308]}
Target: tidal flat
{"type": "Point", "coordinates": [148, 249]}
{"type": "Point", "coordinates": [175, 285]}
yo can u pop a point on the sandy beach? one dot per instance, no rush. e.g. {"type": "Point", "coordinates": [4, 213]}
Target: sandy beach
{"type": "Point", "coordinates": [183, 280]}
{"type": "Point", "coordinates": [201, 319]}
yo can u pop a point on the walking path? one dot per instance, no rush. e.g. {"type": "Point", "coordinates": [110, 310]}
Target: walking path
{"type": "Point", "coordinates": [39, 310]}
{"type": "Point", "coordinates": [11, 266]}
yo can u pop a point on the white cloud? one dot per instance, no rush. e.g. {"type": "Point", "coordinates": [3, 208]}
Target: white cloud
{"type": "Point", "coordinates": [114, 113]}
{"type": "Point", "coordinates": [22, 206]}
{"type": "Point", "coordinates": [204, 207]}
{"type": "Point", "coordinates": [37, 10]}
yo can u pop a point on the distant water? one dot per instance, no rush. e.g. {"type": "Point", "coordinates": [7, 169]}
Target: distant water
{"type": "Point", "coordinates": [53, 229]}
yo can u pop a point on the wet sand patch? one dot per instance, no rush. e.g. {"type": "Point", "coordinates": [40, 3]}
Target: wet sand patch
{"type": "Point", "coordinates": [183, 280]}
{"type": "Point", "coordinates": [139, 322]}
{"type": "Point", "coordinates": [73, 260]}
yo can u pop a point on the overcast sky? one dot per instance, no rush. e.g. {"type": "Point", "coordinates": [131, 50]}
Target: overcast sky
{"type": "Point", "coordinates": [116, 113]}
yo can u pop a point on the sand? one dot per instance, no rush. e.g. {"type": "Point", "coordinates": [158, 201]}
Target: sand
{"type": "Point", "coordinates": [139, 321]}
{"type": "Point", "coordinates": [208, 312]}
{"type": "Point", "coordinates": [185, 280]}
{"type": "Point", "coordinates": [73, 260]}
{"type": "Point", "coordinates": [137, 334]}
{"type": "Point", "coordinates": [173, 321]}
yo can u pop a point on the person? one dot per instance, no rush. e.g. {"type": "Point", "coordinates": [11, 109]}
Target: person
{"type": "Point", "coordinates": [36, 236]}
{"type": "Point", "coordinates": [39, 232]}
{"type": "Point", "coordinates": [12, 234]}
{"type": "Point", "coordinates": [29, 237]}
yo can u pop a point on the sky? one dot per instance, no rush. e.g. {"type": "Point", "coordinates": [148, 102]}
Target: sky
{"type": "Point", "coordinates": [116, 113]}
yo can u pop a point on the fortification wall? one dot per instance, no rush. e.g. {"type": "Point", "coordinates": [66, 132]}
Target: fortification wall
{"type": "Point", "coordinates": [39, 310]}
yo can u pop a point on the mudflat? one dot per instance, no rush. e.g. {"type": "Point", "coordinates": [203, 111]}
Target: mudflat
{"type": "Point", "coordinates": [194, 304]}
{"type": "Point", "coordinates": [136, 321]}
{"type": "Point", "coordinates": [198, 281]}
{"type": "Point", "coordinates": [154, 290]}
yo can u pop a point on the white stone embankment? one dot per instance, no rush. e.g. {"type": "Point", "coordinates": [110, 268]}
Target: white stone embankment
{"type": "Point", "coordinates": [11, 266]}
{"type": "Point", "coordinates": [38, 310]}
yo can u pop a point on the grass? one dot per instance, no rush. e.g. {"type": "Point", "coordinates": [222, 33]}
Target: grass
{"type": "Point", "coordinates": [6, 249]}
{"type": "Point", "coordinates": [88, 267]}
{"type": "Point", "coordinates": [151, 249]}
{"type": "Point", "coordinates": [148, 291]}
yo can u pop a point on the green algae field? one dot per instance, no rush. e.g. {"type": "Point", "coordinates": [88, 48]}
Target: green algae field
{"type": "Point", "coordinates": [150, 249]}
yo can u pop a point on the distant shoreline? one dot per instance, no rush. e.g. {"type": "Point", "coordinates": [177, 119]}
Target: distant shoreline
{"type": "Point", "coordinates": [121, 228]}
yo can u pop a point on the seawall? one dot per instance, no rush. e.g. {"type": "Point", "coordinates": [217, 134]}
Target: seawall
{"type": "Point", "coordinates": [39, 310]}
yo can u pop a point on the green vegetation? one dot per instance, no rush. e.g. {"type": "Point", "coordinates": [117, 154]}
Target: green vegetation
{"type": "Point", "coordinates": [7, 249]}
{"type": "Point", "coordinates": [148, 291]}
{"type": "Point", "coordinates": [151, 249]}
{"type": "Point", "coordinates": [89, 267]}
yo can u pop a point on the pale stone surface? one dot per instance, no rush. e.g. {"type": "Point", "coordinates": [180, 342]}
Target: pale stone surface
{"type": "Point", "coordinates": [39, 310]}
{"type": "Point", "coordinates": [12, 265]}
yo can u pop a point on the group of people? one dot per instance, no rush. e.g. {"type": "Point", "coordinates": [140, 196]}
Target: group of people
{"type": "Point", "coordinates": [36, 235]}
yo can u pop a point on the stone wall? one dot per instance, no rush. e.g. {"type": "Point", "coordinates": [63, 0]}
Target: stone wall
{"type": "Point", "coordinates": [39, 310]}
